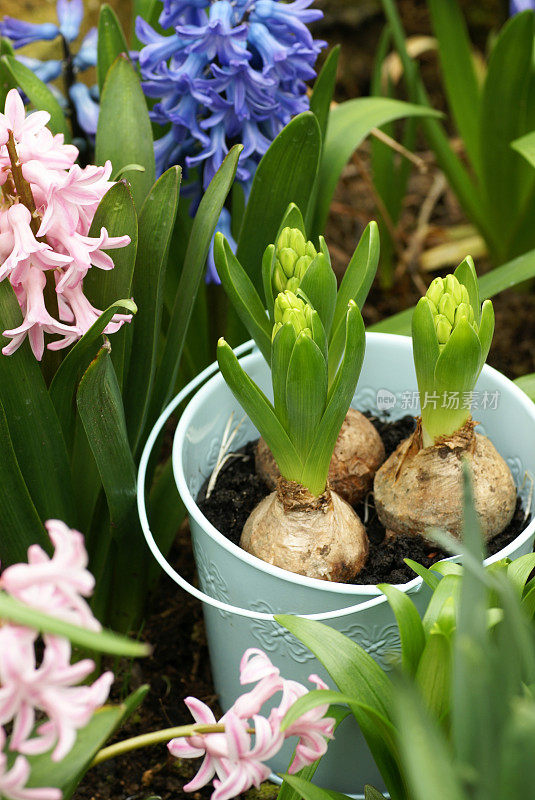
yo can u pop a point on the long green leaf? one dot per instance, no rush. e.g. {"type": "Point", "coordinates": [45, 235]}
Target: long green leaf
{"type": "Point", "coordinates": [285, 175]}
{"type": "Point", "coordinates": [260, 411]}
{"type": "Point", "coordinates": [322, 93]}
{"type": "Point", "coordinates": [116, 213]}
{"type": "Point", "coordinates": [356, 675]}
{"type": "Point", "coordinates": [243, 295]}
{"type": "Point", "coordinates": [156, 224]}
{"type": "Point", "coordinates": [12, 610]}
{"type": "Point", "coordinates": [34, 427]}
{"type": "Point", "coordinates": [525, 145]}
{"type": "Point", "coordinates": [65, 382]}
{"type": "Point", "coordinates": [111, 42]}
{"type": "Point", "coordinates": [339, 399]}
{"type": "Point", "coordinates": [527, 384]}
{"type": "Point", "coordinates": [355, 286]}
{"type": "Point", "coordinates": [309, 791]}
{"type": "Point", "coordinates": [20, 525]}
{"type": "Point", "coordinates": [306, 395]}
{"type": "Point", "coordinates": [349, 124]}
{"type": "Point", "coordinates": [38, 93]}
{"type": "Point", "coordinates": [506, 180]}
{"type": "Point", "coordinates": [460, 80]}
{"type": "Point", "coordinates": [427, 758]}
{"type": "Point", "coordinates": [519, 571]}
{"type": "Point", "coordinates": [201, 235]}
{"type": "Point", "coordinates": [433, 674]}
{"type": "Point", "coordinates": [101, 411]}
{"type": "Point", "coordinates": [124, 133]}
{"type": "Point", "coordinates": [67, 774]}
{"type": "Point", "coordinates": [411, 631]}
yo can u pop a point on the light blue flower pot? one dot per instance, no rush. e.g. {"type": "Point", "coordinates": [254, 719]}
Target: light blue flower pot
{"type": "Point", "coordinates": [241, 593]}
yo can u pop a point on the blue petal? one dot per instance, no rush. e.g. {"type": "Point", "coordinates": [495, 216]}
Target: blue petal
{"type": "Point", "coordinates": [86, 108]}
{"type": "Point", "coordinates": [516, 6]}
{"type": "Point", "coordinates": [46, 71]}
{"type": "Point", "coordinates": [70, 15]}
{"type": "Point", "coordinates": [87, 54]}
{"type": "Point", "coordinates": [21, 33]}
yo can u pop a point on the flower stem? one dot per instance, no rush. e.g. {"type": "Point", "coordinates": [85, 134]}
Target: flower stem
{"type": "Point", "coordinates": [156, 737]}
{"type": "Point", "coordinates": [22, 186]}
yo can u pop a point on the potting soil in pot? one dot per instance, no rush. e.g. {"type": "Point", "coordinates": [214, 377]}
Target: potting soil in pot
{"type": "Point", "coordinates": [239, 489]}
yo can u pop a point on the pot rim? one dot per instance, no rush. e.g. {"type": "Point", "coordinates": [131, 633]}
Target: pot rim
{"type": "Point", "coordinates": [392, 340]}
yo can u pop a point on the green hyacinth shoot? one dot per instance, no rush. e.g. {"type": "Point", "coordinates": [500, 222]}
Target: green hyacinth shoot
{"type": "Point", "coordinates": [293, 256]}
{"type": "Point", "coordinates": [303, 422]}
{"type": "Point", "coordinates": [451, 335]}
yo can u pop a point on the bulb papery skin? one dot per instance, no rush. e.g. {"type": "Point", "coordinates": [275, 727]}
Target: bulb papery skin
{"type": "Point", "coordinates": [358, 453]}
{"type": "Point", "coordinates": [319, 537]}
{"type": "Point", "coordinates": [420, 487]}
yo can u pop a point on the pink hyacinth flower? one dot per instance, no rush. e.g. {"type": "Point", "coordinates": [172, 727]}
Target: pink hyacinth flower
{"type": "Point", "coordinates": [37, 321]}
{"type": "Point", "coordinates": [229, 755]}
{"type": "Point", "coordinates": [13, 781]}
{"type": "Point", "coordinates": [51, 688]}
{"type": "Point", "coordinates": [14, 119]}
{"type": "Point", "coordinates": [55, 585]}
{"type": "Point", "coordinates": [19, 244]}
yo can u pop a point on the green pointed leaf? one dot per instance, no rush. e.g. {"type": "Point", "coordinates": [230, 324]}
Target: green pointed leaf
{"type": "Point", "coordinates": [65, 382]}
{"type": "Point", "coordinates": [283, 345]}
{"type": "Point", "coordinates": [356, 675]}
{"type": "Point", "coordinates": [527, 384]}
{"type": "Point", "coordinates": [306, 396]}
{"type": "Point", "coordinates": [349, 124]}
{"type": "Point", "coordinates": [111, 42]}
{"type": "Point", "coordinates": [466, 274]}
{"type": "Point", "coordinates": [425, 346]}
{"type": "Point", "coordinates": [12, 610]}
{"type": "Point", "coordinates": [427, 759]}
{"type": "Point", "coordinates": [355, 286]}
{"type": "Point", "coordinates": [411, 631]}
{"type": "Point", "coordinates": [505, 178]}
{"type": "Point", "coordinates": [38, 94]}
{"type": "Point", "coordinates": [525, 145]}
{"type": "Point", "coordinates": [42, 456]}
{"type": "Point", "coordinates": [243, 295]}
{"type": "Point", "coordinates": [458, 72]}
{"type": "Point", "coordinates": [433, 674]}
{"type": "Point", "coordinates": [486, 331]}
{"type": "Point", "coordinates": [448, 589]}
{"type": "Point", "coordinates": [260, 411]}
{"type": "Point", "coordinates": [323, 91]}
{"type": "Point", "coordinates": [310, 791]}
{"type": "Point", "coordinates": [519, 571]}
{"type": "Point", "coordinates": [194, 263]}
{"type": "Point", "coordinates": [429, 577]}
{"type": "Point", "coordinates": [116, 213]}
{"type": "Point", "coordinates": [124, 133]}
{"type": "Point", "coordinates": [67, 774]}
{"type": "Point", "coordinates": [101, 411]}
{"type": "Point", "coordinates": [319, 285]}
{"type": "Point", "coordinates": [285, 174]}
{"type": "Point", "coordinates": [370, 793]}
{"type": "Point", "coordinates": [341, 393]}
{"type": "Point", "coordinates": [156, 224]}
{"type": "Point", "coordinates": [268, 260]}
{"type": "Point", "coordinates": [19, 521]}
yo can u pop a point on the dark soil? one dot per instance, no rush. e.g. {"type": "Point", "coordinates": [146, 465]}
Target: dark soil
{"type": "Point", "coordinates": [238, 490]}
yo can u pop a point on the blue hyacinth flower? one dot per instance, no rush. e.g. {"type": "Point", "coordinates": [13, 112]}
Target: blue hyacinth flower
{"type": "Point", "coordinates": [516, 6]}
{"type": "Point", "coordinates": [81, 101]}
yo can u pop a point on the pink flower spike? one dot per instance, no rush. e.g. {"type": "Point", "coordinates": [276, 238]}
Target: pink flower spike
{"type": "Point", "coordinates": [23, 244]}
{"type": "Point", "coordinates": [13, 781]}
{"type": "Point", "coordinates": [55, 585]}
{"type": "Point", "coordinates": [37, 320]}
{"type": "Point", "coordinates": [76, 307]}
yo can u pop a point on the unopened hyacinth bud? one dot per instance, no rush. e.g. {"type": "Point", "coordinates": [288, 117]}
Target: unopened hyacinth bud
{"type": "Point", "coordinates": [290, 308]}
{"type": "Point", "coordinates": [449, 302]}
{"type": "Point", "coordinates": [293, 257]}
